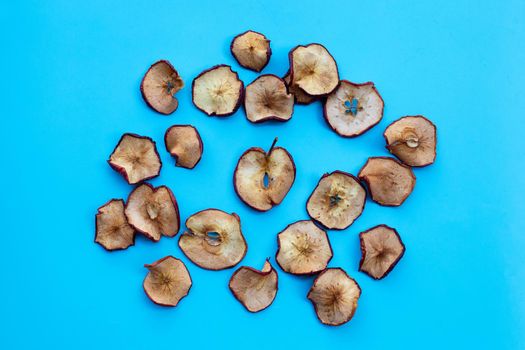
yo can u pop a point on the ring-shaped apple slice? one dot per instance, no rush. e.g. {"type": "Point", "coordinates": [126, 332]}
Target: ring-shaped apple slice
{"type": "Point", "coordinates": [267, 98]}
{"type": "Point", "coordinates": [159, 86]}
{"type": "Point", "coordinates": [214, 240]}
{"type": "Point", "coordinates": [252, 50]}
{"type": "Point", "coordinates": [184, 144]}
{"type": "Point", "coordinates": [167, 282]}
{"type": "Point", "coordinates": [381, 250]}
{"type": "Point", "coordinates": [112, 229]}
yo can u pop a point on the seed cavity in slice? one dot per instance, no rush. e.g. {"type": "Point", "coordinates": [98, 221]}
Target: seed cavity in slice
{"type": "Point", "coordinates": [218, 91]}
{"type": "Point", "coordinates": [255, 289]}
{"type": "Point", "coordinates": [352, 109]}
{"type": "Point", "coordinates": [337, 201]}
{"type": "Point", "coordinates": [252, 50]}
{"type": "Point", "coordinates": [413, 140]}
{"type": "Point", "coordinates": [313, 69]}
{"type": "Point", "coordinates": [381, 250]}
{"type": "Point", "coordinates": [184, 143]}
{"type": "Point", "coordinates": [334, 296]}
{"type": "Point", "coordinates": [267, 98]}
{"type": "Point", "coordinates": [167, 282]}
{"type": "Point", "coordinates": [136, 158]}
{"type": "Point", "coordinates": [214, 239]}
{"type": "Point", "coordinates": [153, 211]}
{"type": "Point", "coordinates": [112, 229]}
{"type": "Point", "coordinates": [159, 86]}
{"type": "Point", "coordinates": [388, 181]}
{"type": "Point", "coordinates": [256, 165]}
{"type": "Point", "coordinates": [304, 248]}
{"type": "Point", "coordinates": [301, 97]}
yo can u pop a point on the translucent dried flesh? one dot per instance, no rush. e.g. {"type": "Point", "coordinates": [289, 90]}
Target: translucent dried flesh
{"type": "Point", "coordinates": [381, 249]}
{"type": "Point", "coordinates": [412, 140]}
{"type": "Point", "coordinates": [153, 211]}
{"type": "Point", "coordinates": [334, 295]}
{"type": "Point", "coordinates": [301, 97]}
{"type": "Point", "coordinates": [303, 248]}
{"type": "Point", "coordinates": [313, 69]}
{"type": "Point", "coordinates": [113, 230]}
{"type": "Point", "coordinates": [254, 289]}
{"type": "Point", "coordinates": [279, 168]}
{"type": "Point", "coordinates": [167, 282]}
{"type": "Point", "coordinates": [389, 181]}
{"type": "Point", "coordinates": [337, 200]}
{"type": "Point", "coordinates": [251, 50]}
{"type": "Point", "coordinates": [159, 86]}
{"type": "Point", "coordinates": [218, 91]}
{"type": "Point", "coordinates": [184, 143]}
{"type": "Point", "coordinates": [352, 109]}
{"type": "Point", "coordinates": [136, 158]}
{"type": "Point", "coordinates": [267, 98]}
{"type": "Point", "coordinates": [214, 240]}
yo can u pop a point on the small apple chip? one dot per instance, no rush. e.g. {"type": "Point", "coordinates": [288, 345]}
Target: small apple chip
{"type": "Point", "coordinates": [252, 50]}
{"type": "Point", "coordinates": [267, 98]}
{"type": "Point", "coordinates": [381, 250]}
{"type": "Point", "coordinates": [184, 143]}
{"type": "Point", "coordinates": [167, 282]}
{"type": "Point", "coordinates": [159, 86]}
{"type": "Point", "coordinates": [112, 229]}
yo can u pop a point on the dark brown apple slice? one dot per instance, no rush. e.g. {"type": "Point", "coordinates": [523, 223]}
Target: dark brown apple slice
{"type": "Point", "coordinates": [167, 282]}
{"type": "Point", "coordinates": [112, 229]}
{"type": "Point", "coordinates": [252, 50]}
{"type": "Point", "coordinates": [267, 98]}
{"type": "Point", "coordinates": [413, 140]}
{"type": "Point", "coordinates": [159, 86]}
{"type": "Point", "coordinates": [214, 239]}
{"type": "Point", "coordinates": [256, 165]}
{"type": "Point", "coordinates": [388, 181]}
{"type": "Point", "coordinates": [184, 143]}
{"type": "Point", "coordinates": [337, 201]}
{"type": "Point", "coordinates": [153, 211]}
{"type": "Point", "coordinates": [381, 250]}
{"type": "Point", "coordinates": [304, 249]}
{"type": "Point", "coordinates": [255, 289]}
{"type": "Point", "coordinates": [301, 97]}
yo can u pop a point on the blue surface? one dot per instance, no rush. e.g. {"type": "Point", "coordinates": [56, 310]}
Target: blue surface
{"type": "Point", "coordinates": [71, 72]}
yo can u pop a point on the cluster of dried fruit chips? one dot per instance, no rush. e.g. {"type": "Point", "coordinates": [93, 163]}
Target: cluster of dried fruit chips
{"type": "Point", "coordinates": [262, 179]}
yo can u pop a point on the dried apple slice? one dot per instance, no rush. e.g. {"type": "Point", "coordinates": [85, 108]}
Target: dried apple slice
{"type": "Point", "coordinates": [389, 181]}
{"type": "Point", "coordinates": [167, 282]}
{"type": "Point", "coordinates": [337, 201]}
{"type": "Point", "coordinates": [267, 98]}
{"type": "Point", "coordinates": [413, 140]}
{"type": "Point", "coordinates": [184, 143]}
{"type": "Point", "coordinates": [153, 211]}
{"type": "Point", "coordinates": [159, 86]}
{"type": "Point", "coordinates": [254, 289]}
{"type": "Point", "coordinates": [304, 248]}
{"type": "Point", "coordinates": [334, 296]}
{"type": "Point", "coordinates": [252, 50]}
{"type": "Point", "coordinates": [214, 239]}
{"type": "Point", "coordinates": [313, 69]}
{"type": "Point", "coordinates": [218, 91]}
{"type": "Point", "coordinates": [381, 250]}
{"type": "Point", "coordinates": [301, 97]}
{"type": "Point", "coordinates": [255, 168]}
{"type": "Point", "coordinates": [136, 158]}
{"type": "Point", "coordinates": [353, 109]}
{"type": "Point", "coordinates": [112, 229]}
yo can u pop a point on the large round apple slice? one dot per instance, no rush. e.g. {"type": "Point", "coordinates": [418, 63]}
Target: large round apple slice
{"type": "Point", "coordinates": [381, 250]}
{"type": "Point", "coordinates": [167, 282]}
{"type": "Point", "coordinates": [159, 86]}
{"type": "Point", "coordinates": [214, 239]}
{"type": "Point", "coordinates": [353, 109]}
{"type": "Point", "coordinates": [252, 50]}
{"type": "Point", "coordinates": [337, 201]}
{"type": "Point", "coordinates": [262, 179]}
{"type": "Point", "coordinates": [112, 229]}
{"type": "Point", "coordinates": [267, 98]}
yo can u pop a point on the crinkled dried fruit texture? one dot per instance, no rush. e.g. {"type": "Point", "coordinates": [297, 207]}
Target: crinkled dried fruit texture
{"type": "Point", "coordinates": [136, 158]}
{"type": "Point", "coordinates": [252, 50]}
{"type": "Point", "coordinates": [254, 289]}
{"type": "Point", "coordinates": [184, 143]}
{"type": "Point", "coordinates": [249, 178]}
{"type": "Point", "coordinates": [159, 86]}
{"type": "Point", "coordinates": [153, 211]}
{"type": "Point", "coordinates": [113, 230]}
{"type": "Point", "coordinates": [389, 181]}
{"type": "Point", "coordinates": [337, 201]}
{"type": "Point", "coordinates": [313, 69]}
{"type": "Point", "coordinates": [353, 109]}
{"type": "Point", "coordinates": [218, 91]}
{"type": "Point", "coordinates": [267, 98]}
{"type": "Point", "coordinates": [167, 282]}
{"type": "Point", "coordinates": [381, 249]}
{"type": "Point", "coordinates": [301, 97]}
{"type": "Point", "coordinates": [334, 295]}
{"type": "Point", "coordinates": [304, 248]}
{"type": "Point", "coordinates": [412, 140]}
{"type": "Point", "coordinates": [214, 240]}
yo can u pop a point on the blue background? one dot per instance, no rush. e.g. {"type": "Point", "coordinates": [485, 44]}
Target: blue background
{"type": "Point", "coordinates": [71, 72]}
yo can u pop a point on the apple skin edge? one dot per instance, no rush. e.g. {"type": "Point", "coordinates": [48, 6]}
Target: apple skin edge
{"type": "Point", "coordinates": [96, 219]}
{"type": "Point", "coordinates": [201, 145]}
{"type": "Point", "coordinates": [268, 52]}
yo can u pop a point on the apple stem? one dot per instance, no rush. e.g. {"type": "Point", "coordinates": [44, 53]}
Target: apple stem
{"type": "Point", "coordinates": [273, 145]}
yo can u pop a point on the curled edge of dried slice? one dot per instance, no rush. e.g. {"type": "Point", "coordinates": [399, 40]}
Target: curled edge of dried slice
{"type": "Point", "coordinates": [184, 143]}
{"type": "Point", "coordinates": [301, 97]}
{"type": "Point", "coordinates": [256, 60]}
{"type": "Point", "coordinates": [119, 224]}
